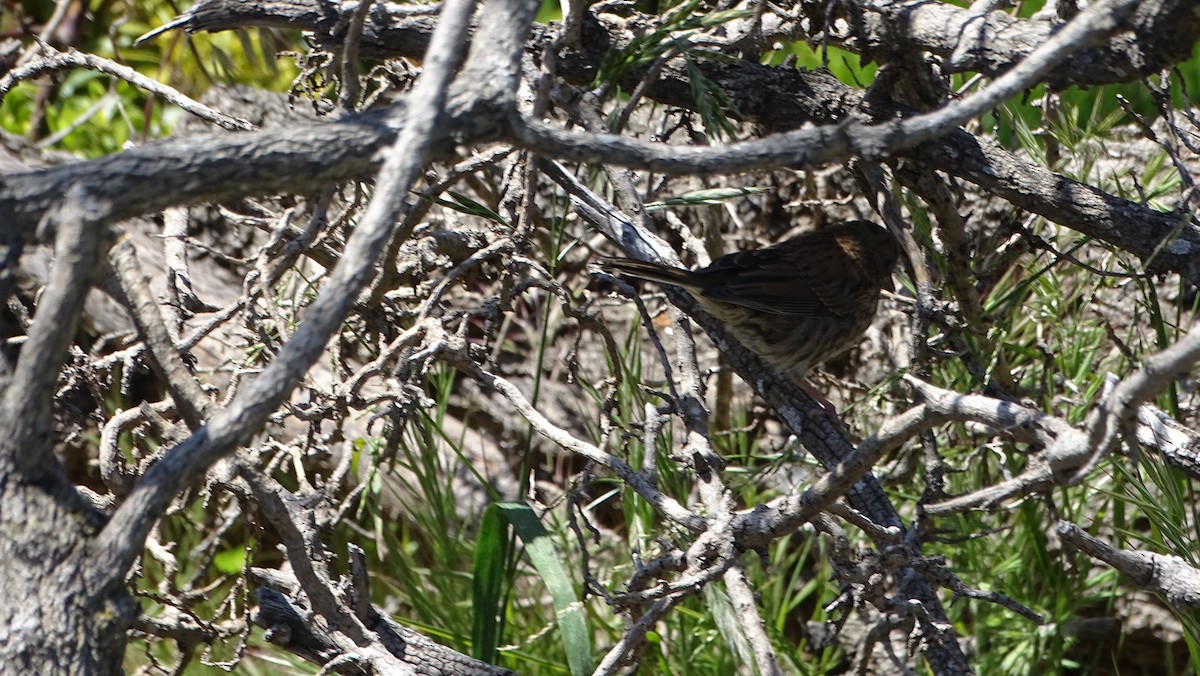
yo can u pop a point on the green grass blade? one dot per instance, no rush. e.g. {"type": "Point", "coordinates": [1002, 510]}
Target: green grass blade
{"type": "Point", "coordinates": [572, 624]}
{"type": "Point", "coordinates": [487, 584]}
{"type": "Point", "coordinates": [703, 197]}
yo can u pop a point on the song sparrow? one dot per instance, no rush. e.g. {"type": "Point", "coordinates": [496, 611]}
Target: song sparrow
{"type": "Point", "coordinates": [796, 303]}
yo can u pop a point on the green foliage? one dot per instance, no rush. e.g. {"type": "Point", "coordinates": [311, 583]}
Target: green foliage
{"type": "Point", "coordinates": [673, 35]}
{"type": "Point", "coordinates": [487, 584]}
{"type": "Point", "coordinates": [548, 562]}
{"type": "Point", "coordinates": [463, 204]}
{"type": "Point", "coordinates": [845, 66]}
{"type": "Point", "coordinates": [1063, 318]}
{"type": "Point", "coordinates": [549, 11]}
{"type": "Point", "coordinates": [91, 114]}
{"type": "Point", "coordinates": [706, 197]}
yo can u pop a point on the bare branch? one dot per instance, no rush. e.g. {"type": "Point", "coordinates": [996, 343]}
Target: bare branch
{"type": "Point", "coordinates": [746, 608]}
{"type": "Point", "coordinates": [131, 287]}
{"type": "Point", "coordinates": [1169, 576]}
{"type": "Point", "coordinates": [669, 507]}
{"type": "Point", "coordinates": [118, 545]}
{"type": "Point", "coordinates": [1069, 453]}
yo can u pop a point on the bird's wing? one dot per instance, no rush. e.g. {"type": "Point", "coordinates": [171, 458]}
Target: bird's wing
{"type": "Point", "coordinates": [827, 284]}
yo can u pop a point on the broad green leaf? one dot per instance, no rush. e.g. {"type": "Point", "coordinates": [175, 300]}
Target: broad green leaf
{"type": "Point", "coordinates": [571, 622]}
{"type": "Point", "coordinates": [487, 584]}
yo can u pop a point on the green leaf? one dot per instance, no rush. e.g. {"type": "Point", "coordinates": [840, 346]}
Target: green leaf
{"type": "Point", "coordinates": [717, 18]}
{"type": "Point", "coordinates": [713, 103]}
{"type": "Point", "coordinates": [463, 204]}
{"type": "Point", "coordinates": [673, 31]}
{"type": "Point", "coordinates": [729, 624]}
{"type": "Point", "coordinates": [551, 10]}
{"type": "Point", "coordinates": [230, 561]}
{"type": "Point", "coordinates": [571, 622]}
{"type": "Point", "coordinates": [487, 584]}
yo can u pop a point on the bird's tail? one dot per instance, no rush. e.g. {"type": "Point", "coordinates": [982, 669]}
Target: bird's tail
{"type": "Point", "coordinates": [651, 271]}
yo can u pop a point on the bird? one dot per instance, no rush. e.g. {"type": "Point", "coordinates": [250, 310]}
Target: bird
{"type": "Point", "coordinates": [796, 303]}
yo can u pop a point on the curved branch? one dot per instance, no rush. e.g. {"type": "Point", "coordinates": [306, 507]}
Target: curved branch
{"type": "Point", "coordinates": [1157, 35]}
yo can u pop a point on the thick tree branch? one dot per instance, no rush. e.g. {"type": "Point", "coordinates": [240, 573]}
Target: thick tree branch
{"type": "Point", "coordinates": [25, 406]}
{"type": "Point", "coordinates": [1157, 35]}
{"type": "Point", "coordinates": [43, 519]}
{"type": "Point", "coordinates": [1171, 577]}
{"type": "Point", "coordinates": [778, 99]}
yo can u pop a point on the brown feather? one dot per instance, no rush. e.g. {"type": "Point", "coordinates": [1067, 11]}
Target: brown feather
{"type": "Point", "coordinates": [795, 303]}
